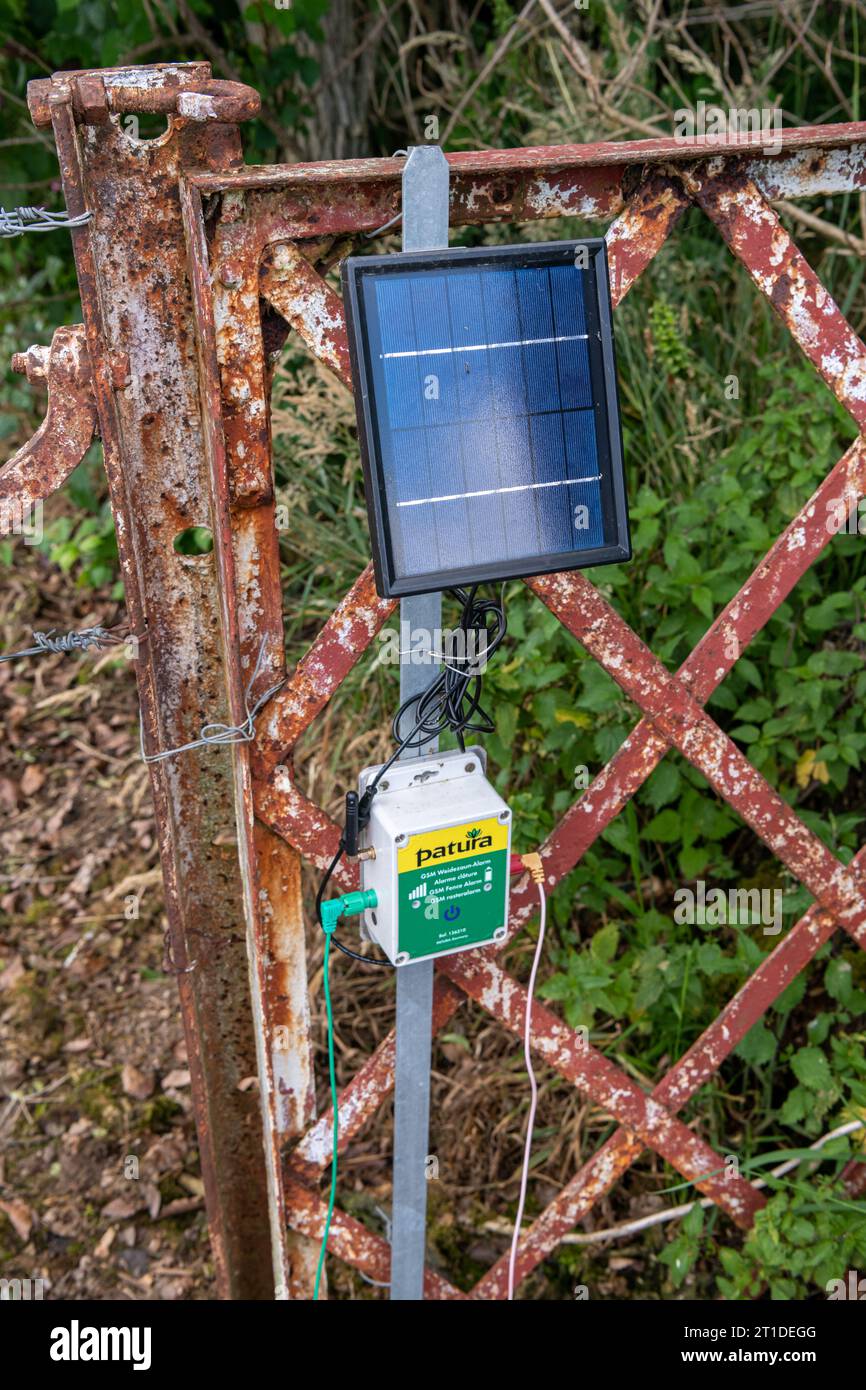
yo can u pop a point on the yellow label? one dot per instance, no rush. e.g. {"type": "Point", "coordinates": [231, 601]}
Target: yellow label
{"type": "Point", "coordinates": [457, 842]}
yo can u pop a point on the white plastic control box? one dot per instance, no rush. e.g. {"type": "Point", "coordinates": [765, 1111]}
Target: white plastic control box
{"type": "Point", "coordinates": [442, 837]}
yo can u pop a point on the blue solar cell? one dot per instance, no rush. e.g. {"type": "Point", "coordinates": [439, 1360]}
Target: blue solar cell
{"type": "Point", "coordinates": [487, 412]}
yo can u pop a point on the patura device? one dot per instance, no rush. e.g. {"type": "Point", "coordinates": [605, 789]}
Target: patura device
{"type": "Point", "coordinates": [442, 841]}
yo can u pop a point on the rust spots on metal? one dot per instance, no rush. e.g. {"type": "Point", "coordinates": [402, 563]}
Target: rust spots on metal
{"type": "Point", "coordinates": [607, 1084]}
{"type": "Point", "coordinates": [136, 301]}
{"type": "Point", "coordinates": [682, 721]}
{"type": "Point", "coordinates": [313, 309]}
{"type": "Point", "coordinates": [45, 462]}
{"type": "Point", "coordinates": [641, 230]}
{"type": "Point", "coordinates": [810, 172]}
{"type": "Point", "coordinates": [168, 89]}
{"type": "Point", "coordinates": [756, 236]}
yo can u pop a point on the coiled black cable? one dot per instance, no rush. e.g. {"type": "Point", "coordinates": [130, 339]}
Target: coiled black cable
{"type": "Point", "coordinates": [453, 699]}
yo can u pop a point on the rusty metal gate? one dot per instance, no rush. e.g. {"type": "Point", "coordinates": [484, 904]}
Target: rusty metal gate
{"type": "Point", "coordinates": [193, 268]}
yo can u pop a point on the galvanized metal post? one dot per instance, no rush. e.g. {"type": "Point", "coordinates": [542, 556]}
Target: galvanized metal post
{"type": "Point", "coordinates": [425, 228]}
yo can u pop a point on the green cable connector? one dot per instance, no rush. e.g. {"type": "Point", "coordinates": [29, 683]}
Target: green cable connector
{"type": "Point", "coordinates": [349, 906]}
{"type": "Point", "coordinates": [331, 911]}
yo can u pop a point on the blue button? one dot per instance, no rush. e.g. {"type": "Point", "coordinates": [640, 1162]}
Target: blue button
{"type": "Point", "coordinates": [451, 913]}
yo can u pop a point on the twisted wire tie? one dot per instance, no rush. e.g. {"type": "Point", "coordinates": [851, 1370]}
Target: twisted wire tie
{"type": "Point", "coordinates": [219, 734]}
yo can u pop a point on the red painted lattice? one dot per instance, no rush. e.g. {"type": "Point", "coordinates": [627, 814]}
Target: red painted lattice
{"type": "Point", "coordinates": [673, 718]}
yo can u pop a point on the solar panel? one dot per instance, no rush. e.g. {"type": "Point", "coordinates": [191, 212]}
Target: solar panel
{"type": "Point", "coordinates": [485, 386]}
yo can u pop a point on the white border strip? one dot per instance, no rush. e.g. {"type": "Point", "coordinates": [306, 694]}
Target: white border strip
{"type": "Point", "coordinates": [495, 491]}
{"type": "Point", "coordinates": [482, 347]}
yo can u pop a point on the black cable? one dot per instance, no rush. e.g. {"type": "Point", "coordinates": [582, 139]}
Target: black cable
{"type": "Point", "coordinates": [365, 960]}
{"type": "Point", "coordinates": [443, 705]}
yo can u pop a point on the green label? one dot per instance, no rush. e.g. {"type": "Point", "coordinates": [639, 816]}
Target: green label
{"type": "Point", "coordinates": [451, 888]}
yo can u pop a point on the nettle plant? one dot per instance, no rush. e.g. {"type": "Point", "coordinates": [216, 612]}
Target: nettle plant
{"type": "Point", "coordinates": [807, 1236]}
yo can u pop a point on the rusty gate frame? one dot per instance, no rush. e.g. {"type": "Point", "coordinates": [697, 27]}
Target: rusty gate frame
{"type": "Point", "coordinates": [180, 355]}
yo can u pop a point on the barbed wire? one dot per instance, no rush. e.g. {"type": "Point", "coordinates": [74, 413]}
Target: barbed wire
{"type": "Point", "coordinates": [67, 642]}
{"type": "Point", "coordinates": [20, 220]}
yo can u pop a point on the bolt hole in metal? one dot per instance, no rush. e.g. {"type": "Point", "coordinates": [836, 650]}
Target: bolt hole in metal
{"type": "Point", "coordinates": [145, 128]}
{"type": "Point", "coordinates": [194, 541]}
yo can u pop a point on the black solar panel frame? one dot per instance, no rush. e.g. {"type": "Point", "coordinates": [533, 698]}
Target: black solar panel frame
{"type": "Point", "coordinates": [605, 403]}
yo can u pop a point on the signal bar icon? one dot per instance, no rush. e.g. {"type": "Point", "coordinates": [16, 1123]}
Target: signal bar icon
{"type": "Point", "coordinates": [419, 892]}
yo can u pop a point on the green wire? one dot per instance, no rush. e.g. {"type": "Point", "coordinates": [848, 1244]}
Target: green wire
{"type": "Point", "coordinates": [333, 1076]}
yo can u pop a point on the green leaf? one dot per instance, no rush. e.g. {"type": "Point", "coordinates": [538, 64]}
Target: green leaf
{"type": "Point", "coordinates": [758, 1046]}
{"type": "Point", "coordinates": [693, 860]}
{"type": "Point", "coordinates": [811, 1068]}
{"type": "Point", "coordinates": [604, 943]}
{"type": "Point", "coordinates": [663, 786]}
{"type": "Point", "coordinates": [665, 827]}
{"type": "Point", "coordinates": [838, 980]}
{"type": "Point", "coordinates": [791, 997]}
{"type": "Point", "coordinates": [693, 1222]}
{"type": "Point", "coordinates": [703, 600]}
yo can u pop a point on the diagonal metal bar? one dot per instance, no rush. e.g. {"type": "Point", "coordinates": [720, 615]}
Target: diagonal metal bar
{"type": "Point", "coordinates": [353, 1242]}
{"type": "Point", "coordinates": [849, 473]}
{"type": "Point", "coordinates": [800, 544]}
{"type": "Point", "coordinates": [754, 233]}
{"type": "Point", "coordinates": [290, 284]}
{"type": "Point", "coordinates": [603, 1170]}
{"type": "Point", "coordinates": [635, 238]}
{"type": "Point", "coordinates": [679, 717]}
{"type": "Point", "coordinates": [603, 1081]}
